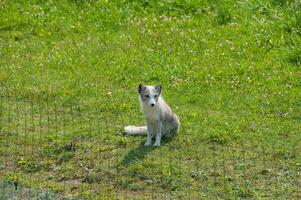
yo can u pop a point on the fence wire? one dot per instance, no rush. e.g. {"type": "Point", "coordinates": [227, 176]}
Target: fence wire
{"type": "Point", "coordinates": [53, 151]}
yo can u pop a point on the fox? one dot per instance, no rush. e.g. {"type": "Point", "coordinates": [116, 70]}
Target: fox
{"type": "Point", "coordinates": [160, 120]}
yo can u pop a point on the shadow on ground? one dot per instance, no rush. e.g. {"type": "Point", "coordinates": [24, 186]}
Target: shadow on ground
{"type": "Point", "coordinates": [138, 153]}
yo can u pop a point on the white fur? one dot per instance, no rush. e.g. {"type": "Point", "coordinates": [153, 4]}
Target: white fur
{"type": "Point", "coordinates": [135, 130]}
{"type": "Point", "coordinates": [152, 113]}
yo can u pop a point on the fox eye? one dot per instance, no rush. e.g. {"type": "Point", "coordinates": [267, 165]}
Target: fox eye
{"type": "Point", "coordinates": [147, 96]}
{"type": "Point", "coordinates": [155, 96]}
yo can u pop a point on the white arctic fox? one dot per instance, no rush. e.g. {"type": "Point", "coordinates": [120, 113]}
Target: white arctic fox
{"type": "Point", "coordinates": [160, 119]}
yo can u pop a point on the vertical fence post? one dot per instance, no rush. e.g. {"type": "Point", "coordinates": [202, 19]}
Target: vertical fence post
{"type": "Point", "coordinates": [298, 170]}
{"type": "Point", "coordinates": [73, 141]}
{"type": "Point", "coordinates": [65, 136]}
{"type": "Point", "coordinates": [170, 170]}
{"type": "Point", "coordinates": [224, 171]}
{"type": "Point", "coordinates": [298, 182]}
{"type": "Point", "coordinates": [39, 148]}
{"type": "Point", "coordinates": [90, 129]}
{"type": "Point", "coordinates": [31, 135]}
{"type": "Point", "coordinates": [2, 182]}
{"type": "Point", "coordinates": [47, 112]}
{"type": "Point", "coordinates": [25, 129]}
{"type": "Point", "coordinates": [17, 117]}
{"type": "Point", "coordinates": [9, 109]}
{"type": "Point", "coordinates": [1, 113]}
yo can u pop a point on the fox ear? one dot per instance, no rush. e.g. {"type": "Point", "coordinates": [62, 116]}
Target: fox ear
{"type": "Point", "coordinates": [159, 88]}
{"type": "Point", "coordinates": [140, 88]}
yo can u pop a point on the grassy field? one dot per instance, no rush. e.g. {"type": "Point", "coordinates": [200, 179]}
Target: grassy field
{"type": "Point", "coordinates": [69, 72]}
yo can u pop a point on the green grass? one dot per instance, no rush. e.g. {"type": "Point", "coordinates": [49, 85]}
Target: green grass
{"type": "Point", "coordinates": [230, 70]}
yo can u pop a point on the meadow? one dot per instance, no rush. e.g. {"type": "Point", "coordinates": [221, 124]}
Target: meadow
{"type": "Point", "coordinates": [69, 72]}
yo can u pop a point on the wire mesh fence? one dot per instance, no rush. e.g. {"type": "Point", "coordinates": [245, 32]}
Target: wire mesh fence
{"type": "Point", "coordinates": [53, 151]}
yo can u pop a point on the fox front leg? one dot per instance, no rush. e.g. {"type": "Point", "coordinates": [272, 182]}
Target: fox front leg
{"type": "Point", "coordinates": [149, 135]}
{"type": "Point", "coordinates": [158, 136]}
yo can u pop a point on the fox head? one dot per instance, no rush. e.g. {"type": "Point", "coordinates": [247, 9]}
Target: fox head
{"type": "Point", "coordinates": [149, 94]}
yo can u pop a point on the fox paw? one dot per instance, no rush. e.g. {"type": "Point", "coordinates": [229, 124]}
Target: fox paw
{"type": "Point", "coordinates": [156, 144]}
{"type": "Point", "coordinates": [147, 144]}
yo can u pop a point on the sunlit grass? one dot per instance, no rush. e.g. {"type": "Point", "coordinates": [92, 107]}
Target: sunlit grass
{"type": "Point", "coordinates": [230, 70]}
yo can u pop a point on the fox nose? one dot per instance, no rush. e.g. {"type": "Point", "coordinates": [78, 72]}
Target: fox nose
{"type": "Point", "coordinates": [152, 104]}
